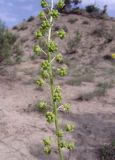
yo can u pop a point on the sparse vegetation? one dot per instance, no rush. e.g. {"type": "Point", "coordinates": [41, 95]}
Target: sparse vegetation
{"type": "Point", "coordinates": [67, 7]}
{"type": "Point", "coordinates": [85, 22]}
{"type": "Point", "coordinates": [92, 8]}
{"type": "Point", "coordinates": [102, 32]}
{"type": "Point", "coordinates": [7, 40]}
{"type": "Point", "coordinates": [57, 28]}
{"type": "Point", "coordinates": [47, 75]}
{"type": "Point", "coordinates": [74, 41]}
{"type": "Point", "coordinates": [107, 152]}
{"type": "Point", "coordinates": [99, 91]}
{"type": "Point", "coordinates": [15, 27]}
{"type": "Point", "coordinates": [78, 79]}
{"type": "Point", "coordinates": [73, 20]}
{"type": "Point", "coordinates": [31, 18]}
{"type": "Point", "coordinates": [99, 31]}
{"type": "Point", "coordinates": [22, 27]}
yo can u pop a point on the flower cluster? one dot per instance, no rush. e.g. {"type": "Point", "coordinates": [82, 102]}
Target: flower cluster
{"type": "Point", "coordinates": [45, 25]}
{"type": "Point", "coordinates": [59, 57]}
{"type": "Point", "coordinates": [39, 33]}
{"type": "Point", "coordinates": [70, 127]}
{"type": "Point", "coordinates": [57, 96]}
{"type": "Point", "coordinates": [54, 13]}
{"type": "Point", "coordinates": [37, 49]}
{"type": "Point", "coordinates": [60, 133]}
{"type": "Point", "coordinates": [44, 74]}
{"type": "Point", "coordinates": [69, 146]}
{"type": "Point", "coordinates": [40, 82]}
{"type": "Point", "coordinates": [44, 3]}
{"type": "Point", "coordinates": [61, 33]}
{"type": "Point", "coordinates": [62, 71]}
{"type": "Point", "coordinates": [45, 65]}
{"type": "Point", "coordinates": [42, 106]}
{"type": "Point", "coordinates": [47, 145]}
{"type": "Point", "coordinates": [42, 15]}
{"type": "Point", "coordinates": [66, 107]}
{"type": "Point", "coordinates": [52, 47]}
{"type": "Point", "coordinates": [60, 4]}
{"type": "Point", "coordinates": [47, 75]}
{"type": "Point", "coordinates": [50, 116]}
{"type": "Point", "coordinates": [113, 56]}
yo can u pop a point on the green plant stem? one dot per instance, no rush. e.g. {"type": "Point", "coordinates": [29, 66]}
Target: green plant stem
{"type": "Point", "coordinates": [52, 92]}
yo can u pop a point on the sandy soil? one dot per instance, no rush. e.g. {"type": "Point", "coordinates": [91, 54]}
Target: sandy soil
{"type": "Point", "coordinates": [22, 127]}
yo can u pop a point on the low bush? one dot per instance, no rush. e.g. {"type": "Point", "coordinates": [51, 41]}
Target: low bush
{"type": "Point", "coordinates": [31, 18]}
{"type": "Point", "coordinates": [7, 39]}
{"type": "Point", "coordinates": [107, 152]}
{"type": "Point", "coordinates": [73, 42]}
{"type": "Point", "coordinates": [92, 8]}
{"type": "Point", "coordinates": [72, 20]}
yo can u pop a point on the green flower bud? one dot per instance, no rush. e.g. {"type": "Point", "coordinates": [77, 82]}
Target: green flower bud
{"type": "Point", "coordinates": [71, 146]}
{"type": "Point", "coordinates": [37, 49]}
{"type": "Point", "coordinates": [60, 4]}
{"type": "Point", "coordinates": [58, 89]}
{"type": "Point", "coordinates": [60, 133]}
{"type": "Point", "coordinates": [44, 74]}
{"type": "Point", "coordinates": [42, 106]}
{"type": "Point", "coordinates": [47, 150]}
{"type": "Point", "coordinates": [57, 96]}
{"type": "Point", "coordinates": [45, 65]}
{"type": "Point", "coordinates": [47, 141]}
{"type": "Point", "coordinates": [63, 144]}
{"type": "Point", "coordinates": [52, 47]}
{"type": "Point", "coordinates": [54, 13]}
{"type": "Point", "coordinates": [42, 15]}
{"type": "Point", "coordinates": [45, 25]}
{"type": "Point", "coordinates": [38, 34]}
{"type": "Point", "coordinates": [67, 107]}
{"type": "Point", "coordinates": [40, 82]}
{"type": "Point", "coordinates": [50, 116]}
{"type": "Point", "coordinates": [61, 34]}
{"type": "Point", "coordinates": [44, 3]}
{"type": "Point", "coordinates": [59, 57]}
{"type": "Point", "coordinates": [113, 56]}
{"type": "Point", "coordinates": [62, 71]}
{"type": "Point", "coordinates": [70, 127]}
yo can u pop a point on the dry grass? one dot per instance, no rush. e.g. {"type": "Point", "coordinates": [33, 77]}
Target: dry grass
{"type": "Point", "coordinates": [100, 91]}
{"type": "Point", "coordinates": [107, 152]}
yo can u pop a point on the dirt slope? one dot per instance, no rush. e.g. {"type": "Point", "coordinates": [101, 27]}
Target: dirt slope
{"type": "Point", "coordinates": [90, 88]}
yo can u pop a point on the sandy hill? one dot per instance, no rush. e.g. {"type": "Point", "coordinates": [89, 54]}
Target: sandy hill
{"type": "Point", "coordinates": [89, 87]}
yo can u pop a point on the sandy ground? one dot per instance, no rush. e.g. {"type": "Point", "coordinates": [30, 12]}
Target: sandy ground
{"type": "Point", "coordinates": [22, 127]}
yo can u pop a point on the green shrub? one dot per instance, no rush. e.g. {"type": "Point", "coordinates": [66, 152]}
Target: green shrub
{"type": "Point", "coordinates": [107, 152]}
{"type": "Point", "coordinates": [92, 8]}
{"type": "Point", "coordinates": [73, 42]}
{"type": "Point", "coordinates": [72, 20]}
{"type": "Point", "coordinates": [31, 18]}
{"type": "Point", "coordinates": [7, 39]}
{"type": "Point", "coordinates": [15, 27]}
{"type": "Point", "coordinates": [23, 27]}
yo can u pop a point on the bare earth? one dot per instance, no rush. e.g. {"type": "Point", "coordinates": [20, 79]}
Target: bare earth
{"type": "Point", "coordinates": [22, 126]}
